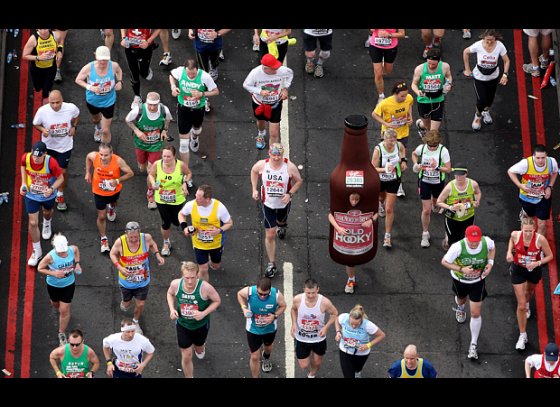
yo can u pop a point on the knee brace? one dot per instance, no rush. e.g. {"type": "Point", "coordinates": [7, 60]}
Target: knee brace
{"type": "Point", "coordinates": [324, 55]}
{"type": "Point", "coordinates": [184, 146]}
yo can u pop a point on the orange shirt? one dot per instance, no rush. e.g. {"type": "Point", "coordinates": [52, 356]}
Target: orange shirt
{"type": "Point", "coordinates": [103, 175]}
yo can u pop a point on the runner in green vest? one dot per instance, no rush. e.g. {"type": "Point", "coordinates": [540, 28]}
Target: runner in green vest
{"type": "Point", "coordinates": [149, 134]}
{"type": "Point", "coordinates": [191, 86]}
{"type": "Point", "coordinates": [459, 199]}
{"type": "Point", "coordinates": [191, 301]}
{"type": "Point", "coordinates": [470, 261]}
{"type": "Point", "coordinates": [75, 358]}
{"type": "Point", "coordinates": [431, 81]}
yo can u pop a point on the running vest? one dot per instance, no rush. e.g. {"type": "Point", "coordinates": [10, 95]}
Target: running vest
{"type": "Point", "coordinates": [310, 321]}
{"type": "Point", "coordinates": [417, 375]}
{"type": "Point", "coordinates": [62, 264]}
{"type": "Point", "coordinates": [275, 183]}
{"type": "Point", "coordinates": [75, 368]}
{"type": "Point", "coordinates": [542, 373]}
{"type": "Point", "coordinates": [108, 96]}
{"type": "Point", "coordinates": [185, 98]}
{"type": "Point", "coordinates": [427, 173]}
{"type": "Point", "coordinates": [393, 158]}
{"type": "Point", "coordinates": [352, 338]}
{"type": "Point", "coordinates": [190, 303]}
{"type": "Point", "coordinates": [466, 197]}
{"type": "Point", "coordinates": [152, 129]}
{"type": "Point", "coordinates": [432, 85]}
{"type": "Point", "coordinates": [39, 180]}
{"type": "Point", "coordinates": [201, 239]}
{"type": "Point", "coordinates": [261, 309]}
{"type": "Point", "coordinates": [532, 251]}
{"type": "Point", "coordinates": [538, 181]}
{"type": "Point", "coordinates": [43, 47]}
{"type": "Point", "coordinates": [169, 192]}
{"type": "Point", "coordinates": [477, 261]}
{"type": "Point", "coordinates": [137, 35]}
{"type": "Point", "coordinates": [136, 263]}
{"type": "Point", "coordinates": [102, 175]}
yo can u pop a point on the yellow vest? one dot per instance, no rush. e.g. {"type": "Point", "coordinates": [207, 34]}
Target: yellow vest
{"type": "Point", "coordinates": [201, 240]}
{"type": "Point", "coordinates": [539, 180]}
{"type": "Point", "coordinates": [47, 46]}
{"type": "Point", "coordinates": [418, 374]}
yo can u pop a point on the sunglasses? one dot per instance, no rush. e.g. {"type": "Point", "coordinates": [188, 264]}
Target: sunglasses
{"type": "Point", "coordinates": [75, 345]}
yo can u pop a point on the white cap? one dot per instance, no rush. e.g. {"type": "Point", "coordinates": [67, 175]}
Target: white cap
{"type": "Point", "coordinates": [103, 53]}
{"type": "Point", "coordinates": [60, 244]}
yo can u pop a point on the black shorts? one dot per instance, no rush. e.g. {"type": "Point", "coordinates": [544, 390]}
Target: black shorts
{"type": "Point", "coordinates": [540, 210]}
{"type": "Point", "coordinates": [310, 42]}
{"type": "Point", "coordinates": [187, 338]}
{"type": "Point", "coordinates": [455, 230]}
{"type": "Point", "coordinates": [476, 291]}
{"type": "Point", "coordinates": [304, 349]}
{"type": "Point", "coordinates": [429, 191]}
{"type": "Point", "coordinates": [256, 341]}
{"type": "Point", "coordinates": [106, 112]}
{"type": "Point", "coordinates": [101, 201]}
{"type": "Point", "coordinates": [392, 187]}
{"type": "Point", "coordinates": [65, 294]}
{"type": "Point", "coordinates": [379, 55]}
{"type": "Point", "coordinates": [139, 293]}
{"type": "Point", "coordinates": [520, 275]}
{"type": "Point", "coordinates": [275, 116]}
{"type": "Point", "coordinates": [169, 215]}
{"type": "Point", "coordinates": [271, 217]}
{"type": "Point", "coordinates": [433, 111]}
{"type": "Point", "coordinates": [63, 159]}
{"type": "Point", "coordinates": [188, 118]}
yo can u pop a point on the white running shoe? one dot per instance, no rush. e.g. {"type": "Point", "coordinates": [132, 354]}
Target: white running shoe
{"type": "Point", "coordinates": [486, 118]}
{"type": "Point", "coordinates": [400, 192]}
{"type": "Point", "coordinates": [47, 231]}
{"type": "Point", "coordinates": [105, 246]}
{"type": "Point", "coordinates": [473, 352]}
{"type": "Point", "coordinates": [425, 239]}
{"type": "Point", "coordinates": [520, 345]}
{"type": "Point", "coordinates": [194, 144]}
{"type": "Point", "coordinates": [34, 259]}
{"type": "Point", "coordinates": [476, 125]}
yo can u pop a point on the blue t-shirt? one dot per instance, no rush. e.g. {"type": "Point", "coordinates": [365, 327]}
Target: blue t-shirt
{"type": "Point", "coordinates": [204, 44]}
{"type": "Point", "coordinates": [62, 264]}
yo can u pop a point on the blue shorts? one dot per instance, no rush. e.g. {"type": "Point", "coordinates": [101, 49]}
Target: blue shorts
{"type": "Point", "coordinates": [541, 210]}
{"type": "Point", "coordinates": [33, 206]}
{"type": "Point", "coordinates": [63, 159]}
{"type": "Point", "coordinates": [202, 255]}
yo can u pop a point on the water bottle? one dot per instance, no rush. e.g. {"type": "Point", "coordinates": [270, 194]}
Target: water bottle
{"type": "Point", "coordinates": [18, 126]}
{"type": "Point", "coordinates": [446, 84]}
{"type": "Point", "coordinates": [553, 81]}
{"type": "Point", "coordinates": [10, 57]}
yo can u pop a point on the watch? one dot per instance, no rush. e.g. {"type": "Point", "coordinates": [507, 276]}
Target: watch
{"type": "Point", "coordinates": [291, 195]}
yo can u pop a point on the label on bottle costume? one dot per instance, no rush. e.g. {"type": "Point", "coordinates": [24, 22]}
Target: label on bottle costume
{"type": "Point", "coordinates": [360, 239]}
{"type": "Point", "coordinates": [354, 179]}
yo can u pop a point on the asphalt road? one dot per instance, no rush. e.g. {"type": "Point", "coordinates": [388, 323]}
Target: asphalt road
{"type": "Point", "coordinates": [405, 291]}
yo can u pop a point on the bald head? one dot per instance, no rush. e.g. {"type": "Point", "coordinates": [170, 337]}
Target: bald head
{"type": "Point", "coordinates": [55, 100]}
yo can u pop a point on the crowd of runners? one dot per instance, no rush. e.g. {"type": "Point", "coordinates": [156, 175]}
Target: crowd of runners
{"type": "Point", "coordinates": [444, 188]}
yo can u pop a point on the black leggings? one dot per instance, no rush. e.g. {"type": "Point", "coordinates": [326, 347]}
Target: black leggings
{"type": "Point", "coordinates": [351, 364]}
{"type": "Point", "coordinates": [485, 93]}
{"type": "Point", "coordinates": [43, 78]}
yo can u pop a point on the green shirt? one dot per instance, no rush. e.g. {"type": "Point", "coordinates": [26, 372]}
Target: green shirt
{"type": "Point", "coordinates": [188, 304]}
{"type": "Point", "coordinates": [432, 85]}
{"type": "Point", "coordinates": [75, 367]}
{"type": "Point", "coordinates": [465, 197]}
{"type": "Point", "coordinates": [477, 261]}
{"type": "Point", "coordinates": [152, 129]}
{"type": "Point", "coordinates": [186, 84]}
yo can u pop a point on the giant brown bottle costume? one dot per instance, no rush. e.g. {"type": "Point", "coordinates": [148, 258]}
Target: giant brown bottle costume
{"type": "Point", "coordinates": [354, 174]}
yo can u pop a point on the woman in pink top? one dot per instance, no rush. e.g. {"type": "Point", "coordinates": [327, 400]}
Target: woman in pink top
{"type": "Point", "coordinates": [383, 52]}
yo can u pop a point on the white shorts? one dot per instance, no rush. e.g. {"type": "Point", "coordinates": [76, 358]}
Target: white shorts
{"type": "Point", "coordinates": [534, 32]}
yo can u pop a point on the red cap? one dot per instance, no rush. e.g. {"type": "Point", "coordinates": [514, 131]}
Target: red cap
{"type": "Point", "coordinates": [271, 62]}
{"type": "Point", "coordinates": [474, 234]}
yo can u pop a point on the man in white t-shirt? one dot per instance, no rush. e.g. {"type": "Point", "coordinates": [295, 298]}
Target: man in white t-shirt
{"type": "Point", "coordinates": [57, 121]}
{"type": "Point", "coordinates": [133, 352]}
{"type": "Point", "coordinates": [210, 219]}
{"type": "Point", "coordinates": [268, 85]}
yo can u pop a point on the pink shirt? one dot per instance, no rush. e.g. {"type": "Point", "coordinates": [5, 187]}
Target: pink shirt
{"type": "Point", "coordinates": [384, 43]}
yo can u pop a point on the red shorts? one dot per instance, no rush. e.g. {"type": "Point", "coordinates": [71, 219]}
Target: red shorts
{"type": "Point", "coordinates": [144, 156]}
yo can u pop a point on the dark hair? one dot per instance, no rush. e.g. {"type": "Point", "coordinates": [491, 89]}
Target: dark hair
{"type": "Point", "coordinates": [208, 191]}
{"type": "Point", "coordinates": [539, 148]}
{"type": "Point", "coordinates": [490, 32]}
{"type": "Point", "coordinates": [265, 284]}
{"type": "Point", "coordinates": [311, 284]}
{"type": "Point", "coordinates": [399, 87]}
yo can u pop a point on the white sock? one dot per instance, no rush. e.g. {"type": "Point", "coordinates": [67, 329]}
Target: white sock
{"type": "Point", "coordinates": [476, 325]}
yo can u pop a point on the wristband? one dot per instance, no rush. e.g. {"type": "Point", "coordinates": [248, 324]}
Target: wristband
{"type": "Point", "coordinates": [491, 262]}
{"type": "Point", "coordinates": [184, 225]}
{"type": "Point", "coordinates": [117, 264]}
{"type": "Point", "coordinates": [57, 373]}
{"type": "Point", "coordinates": [369, 345]}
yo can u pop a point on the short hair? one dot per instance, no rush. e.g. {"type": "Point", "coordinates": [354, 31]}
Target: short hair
{"type": "Point", "coordinates": [310, 284]}
{"type": "Point", "coordinates": [106, 145]}
{"type": "Point", "coordinates": [432, 137]}
{"type": "Point", "coordinates": [399, 87]}
{"type": "Point", "coordinates": [76, 333]}
{"type": "Point", "coordinates": [540, 148]}
{"type": "Point", "coordinates": [189, 266]}
{"type": "Point", "coordinates": [207, 190]}
{"type": "Point", "coordinates": [191, 64]}
{"type": "Point", "coordinates": [127, 322]}
{"type": "Point", "coordinates": [265, 284]}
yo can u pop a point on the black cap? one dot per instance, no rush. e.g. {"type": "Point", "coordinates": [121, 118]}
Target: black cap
{"type": "Point", "coordinates": [39, 148]}
{"type": "Point", "coordinates": [551, 352]}
{"type": "Point", "coordinates": [460, 169]}
{"type": "Point", "coordinates": [356, 122]}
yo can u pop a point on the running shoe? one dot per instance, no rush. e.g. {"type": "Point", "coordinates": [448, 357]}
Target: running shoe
{"type": "Point", "coordinates": [151, 203]}
{"type": "Point", "coordinates": [387, 241]}
{"type": "Point", "coordinates": [260, 143]}
{"type": "Point", "coordinates": [34, 259]}
{"type": "Point", "coordinates": [520, 345]}
{"type": "Point", "coordinates": [530, 69]}
{"type": "Point", "coordinates": [175, 33]}
{"type": "Point", "coordinates": [266, 364]}
{"type": "Point", "coordinates": [473, 352]}
{"type": "Point", "coordinates": [61, 204]}
{"type": "Point", "coordinates": [47, 231]}
{"type": "Point", "coordinates": [319, 73]}
{"type": "Point", "coordinates": [270, 270]}
{"type": "Point", "coordinates": [166, 59]}
{"type": "Point", "coordinates": [460, 314]}
{"type": "Point", "coordinates": [349, 289]}
{"type": "Point", "coordinates": [400, 192]}
{"type": "Point", "coordinates": [194, 144]}
{"type": "Point", "coordinates": [425, 239]}
{"type": "Point", "coordinates": [111, 213]}
{"type": "Point", "coordinates": [281, 232]}
{"type": "Point", "coordinates": [62, 339]}
{"type": "Point", "coordinates": [166, 251]}
{"type": "Point", "coordinates": [105, 246]}
{"type": "Point", "coordinates": [486, 118]}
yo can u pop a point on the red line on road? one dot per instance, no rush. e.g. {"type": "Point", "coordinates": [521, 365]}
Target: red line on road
{"type": "Point", "coordinates": [11, 328]}
{"type": "Point", "coordinates": [527, 150]}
